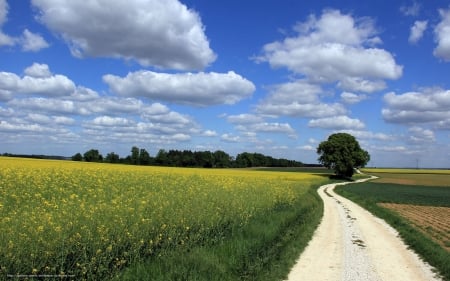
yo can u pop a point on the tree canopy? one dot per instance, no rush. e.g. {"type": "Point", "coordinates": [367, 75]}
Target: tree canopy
{"type": "Point", "coordinates": [342, 153]}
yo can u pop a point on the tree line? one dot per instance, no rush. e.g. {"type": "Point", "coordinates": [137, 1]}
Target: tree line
{"type": "Point", "coordinates": [188, 158]}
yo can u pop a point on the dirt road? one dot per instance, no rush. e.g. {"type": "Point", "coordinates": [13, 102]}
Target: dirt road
{"type": "Point", "coordinates": [352, 244]}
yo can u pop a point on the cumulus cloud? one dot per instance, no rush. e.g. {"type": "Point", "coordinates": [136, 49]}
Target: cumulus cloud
{"type": "Point", "coordinates": [38, 70]}
{"type": "Point", "coordinates": [230, 138]}
{"type": "Point", "coordinates": [428, 105]}
{"type": "Point", "coordinates": [37, 80]}
{"type": "Point", "coordinates": [420, 135]}
{"type": "Point", "coordinates": [196, 89]}
{"type": "Point", "coordinates": [307, 147]}
{"type": "Point", "coordinates": [351, 98]}
{"type": "Point", "coordinates": [274, 127]}
{"type": "Point", "coordinates": [417, 31]}
{"type": "Point", "coordinates": [5, 40]}
{"type": "Point", "coordinates": [253, 124]}
{"type": "Point", "coordinates": [209, 133]}
{"type": "Point", "coordinates": [442, 36]}
{"type": "Point", "coordinates": [32, 42]}
{"type": "Point", "coordinates": [109, 121]}
{"type": "Point", "coordinates": [245, 118]}
{"type": "Point", "coordinates": [160, 33]}
{"type": "Point", "coordinates": [335, 48]}
{"type": "Point", "coordinates": [298, 99]}
{"type": "Point", "coordinates": [337, 123]}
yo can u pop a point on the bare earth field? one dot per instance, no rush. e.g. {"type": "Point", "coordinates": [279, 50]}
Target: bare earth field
{"type": "Point", "coordinates": [431, 220]}
{"type": "Point", "coordinates": [352, 244]}
{"type": "Point", "coordinates": [412, 177]}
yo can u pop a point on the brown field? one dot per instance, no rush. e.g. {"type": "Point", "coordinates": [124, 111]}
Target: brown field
{"type": "Point", "coordinates": [413, 179]}
{"type": "Point", "coordinates": [432, 221]}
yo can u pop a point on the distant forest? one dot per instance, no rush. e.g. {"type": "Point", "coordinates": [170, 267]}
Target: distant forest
{"type": "Point", "coordinates": [178, 158]}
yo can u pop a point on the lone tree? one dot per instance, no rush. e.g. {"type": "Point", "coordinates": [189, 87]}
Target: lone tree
{"type": "Point", "coordinates": [342, 153]}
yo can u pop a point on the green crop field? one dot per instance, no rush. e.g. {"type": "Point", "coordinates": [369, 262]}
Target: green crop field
{"type": "Point", "coordinates": [407, 199]}
{"type": "Point", "coordinates": [86, 221]}
{"type": "Point", "coordinates": [400, 193]}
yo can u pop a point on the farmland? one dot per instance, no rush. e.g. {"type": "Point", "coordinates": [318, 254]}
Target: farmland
{"type": "Point", "coordinates": [412, 176]}
{"type": "Point", "coordinates": [416, 203]}
{"type": "Point", "coordinates": [429, 219]}
{"type": "Point", "coordinates": [91, 221]}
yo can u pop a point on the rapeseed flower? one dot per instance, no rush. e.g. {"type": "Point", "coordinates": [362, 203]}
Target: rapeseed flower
{"type": "Point", "coordinates": [84, 217]}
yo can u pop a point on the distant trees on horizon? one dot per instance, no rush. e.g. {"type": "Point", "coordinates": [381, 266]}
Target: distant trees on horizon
{"type": "Point", "coordinates": [188, 158]}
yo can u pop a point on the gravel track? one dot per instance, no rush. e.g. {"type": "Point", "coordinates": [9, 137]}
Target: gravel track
{"type": "Point", "coordinates": [351, 244]}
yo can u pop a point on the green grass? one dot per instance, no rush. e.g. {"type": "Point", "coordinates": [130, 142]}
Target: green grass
{"type": "Point", "coordinates": [403, 194]}
{"type": "Point", "coordinates": [369, 194]}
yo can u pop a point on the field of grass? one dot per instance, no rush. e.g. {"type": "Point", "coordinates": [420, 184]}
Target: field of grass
{"type": "Point", "coordinates": [92, 221]}
{"type": "Point", "coordinates": [400, 193]}
{"type": "Point", "coordinates": [406, 200]}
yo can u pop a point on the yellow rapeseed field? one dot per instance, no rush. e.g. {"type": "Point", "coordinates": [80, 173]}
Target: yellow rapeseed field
{"type": "Point", "coordinates": [86, 219]}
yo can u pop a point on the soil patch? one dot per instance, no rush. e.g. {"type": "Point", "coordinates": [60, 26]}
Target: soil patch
{"type": "Point", "coordinates": [432, 221]}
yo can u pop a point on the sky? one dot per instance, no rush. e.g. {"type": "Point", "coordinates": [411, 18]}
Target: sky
{"type": "Point", "coordinates": [267, 76]}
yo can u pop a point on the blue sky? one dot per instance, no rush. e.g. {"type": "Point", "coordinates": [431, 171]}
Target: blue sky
{"type": "Point", "coordinates": [274, 77]}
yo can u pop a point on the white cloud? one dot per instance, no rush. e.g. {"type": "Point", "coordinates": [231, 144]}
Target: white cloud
{"type": "Point", "coordinates": [45, 105]}
{"type": "Point", "coordinates": [335, 48]}
{"type": "Point", "coordinates": [420, 135]}
{"type": "Point", "coordinates": [161, 33]}
{"type": "Point", "coordinates": [108, 121]}
{"type": "Point", "coordinates": [38, 80]}
{"type": "Point", "coordinates": [429, 105]}
{"type": "Point", "coordinates": [230, 138]}
{"type": "Point", "coordinates": [442, 36]}
{"type": "Point", "coordinates": [84, 94]}
{"type": "Point", "coordinates": [29, 41]}
{"type": "Point", "coordinates": [63, 120]}
{"type": "Point", "coordinates": [5, 40]}
{"type": "Point", "coordinates": [209, 133]}
{"type": "Point", "coordinates": [38, 70]}
{"type": "Point", "coordinates": [298, 99]}
{"type": "Point", "coordinates": [251, 123]}
{"type": "Point", "coordinates": [307, 148]}
{"type": "Point", "coordinates": [412, 10]}
{"type": "Point", "coordinates": [351, 98]}
{"type": "Point", "coordinates": [358, 84]}
{"type": "Point", "coordinates": [417, 31]}
{"type": "Point", "coordinates": [337, 123]}
{"type": "Point", "coordinates": [196, 89]}
{"type": "Point", "coordinates": [49, 120]}
{"type": "Point", "coordinates": [169, 117]}
{"type": "Point", "coordinates": [32, 42]}
{"type": "Point", "coordinates": [244, 118]}
{"type": "Point", "coordinates": [273, 127]}
{"type": "Point", "coordinates": [398, 148]}
{"type": "Point", "coordinates": [8, 127]}
{"type": "Point", "coordinates": [368, 135]}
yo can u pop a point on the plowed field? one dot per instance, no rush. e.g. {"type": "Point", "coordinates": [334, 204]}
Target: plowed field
{"type": "Point", "coordinates": [434, 221]}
